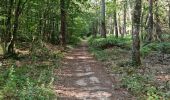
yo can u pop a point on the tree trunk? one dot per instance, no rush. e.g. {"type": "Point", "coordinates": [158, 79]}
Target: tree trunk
{"type": "Point", "coordinates": [124, 17]}
{"type": "Point", "coordinates": [150, 22]}
{"type": "Point", "coordinates": [120, 26]}
{"type": "Point", "coordinates": [8, 28]}
{"type": "Point", "coordinates": [135, 34]}
{"type": "Point", "coordinates": [16, 20]}
{"type": "Point", "coordinates": [103, 30]}
{"type": "Point", "coordinates": [158, 27]}
{"type": "Point", "coordinates": [115, 21]}
{"type": "Point", "coordinates": [63, 22]}
{"type": "Point", "coordinates": [169, 13]}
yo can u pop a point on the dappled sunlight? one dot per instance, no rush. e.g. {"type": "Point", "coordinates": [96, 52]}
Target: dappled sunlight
{"type": "Point", "coordinates": [84, 57]}
{"type": "Point", "coordinates": [69, 57]}
{"type": "Point", "coordinates": [163, 78]}
{"type": "Point", "coordinates": [84, 74]}
{"type": "Point", "coordinates": [73, 92]}
{"type": "Point", "coordinates": [66, 75]}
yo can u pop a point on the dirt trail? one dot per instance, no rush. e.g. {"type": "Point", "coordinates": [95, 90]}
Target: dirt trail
{"type": "Point", "coordinates": [82, 77]}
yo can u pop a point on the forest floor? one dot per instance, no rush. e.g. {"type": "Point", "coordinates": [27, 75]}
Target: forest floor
{"type": "Point", "coordinates": [82, 77]}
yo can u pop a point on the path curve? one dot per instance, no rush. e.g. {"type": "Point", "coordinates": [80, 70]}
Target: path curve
{"type": "Point", "coordinates": [82, 77]}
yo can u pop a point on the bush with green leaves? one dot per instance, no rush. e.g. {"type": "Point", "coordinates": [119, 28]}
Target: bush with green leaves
{"type": "Point", "coordinates": [154, 94]}
{"type": "Point", "coordinates": [163, 47]}
{"type": "Point", "coordinates": [145, 51]}
{"type": "Point", "coordinates": [110, 41]}
{"type": "Point", "coordinates": [74, 40]}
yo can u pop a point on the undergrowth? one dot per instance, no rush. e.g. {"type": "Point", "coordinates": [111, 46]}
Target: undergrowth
{"type": "Point", "coordinates": [30, 77]}
{"type": "Point", "coordinates": [143, 87]}
{"type": "Point", "coordinates": [109, 42]}
{"type": "Point", "coordinates": [116, 51]}
{"type": "Point", "coordinates": [163, 47]}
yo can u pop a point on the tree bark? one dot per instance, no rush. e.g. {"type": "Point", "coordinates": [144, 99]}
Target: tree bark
{"type": "Point", "coordinates": [158, 27]}
{"type": "Point", "coordinates": [150, 22]}
{"type": "Point", "coordinates": [135, 34]}
{"type": "Point", "coordinates": [16, 20]}
{"type": "Point", "coordinates": [115, 21]}
{"type": "Point", "coordinates": [103, 23]}
{"type": "Point", "coordinates": [124, 17]}
{"type": "Point", "coordinates": [169, 13]}
{"type": "Point", "coordinates": [8, 27]}
{"type": "Point", "coordinates": [63, 22]}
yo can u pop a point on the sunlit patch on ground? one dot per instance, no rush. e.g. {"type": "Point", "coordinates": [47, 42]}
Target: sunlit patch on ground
{"type": "Point", "coordinates": [98, 95]}
{"type": "Point", "coordinates": [163, 78]}
{"type": "Point", "coordinates": [84, 74]}
{"type": "Point", "coordinates": [69, 57]}
{"type": "Point", "coordinates": [84, 57]}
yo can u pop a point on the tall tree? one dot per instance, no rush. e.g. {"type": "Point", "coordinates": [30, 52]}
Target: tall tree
{"type": "Point", "coordinates": [115, 19]}
{"type": "Point", "coordinates": [169, 12]}
{"type": "Point", "coordinates": [135, 34]}
{"type": "Point", "coordinates": [63, 22]}
{"type": "Point", "coordinates": [150, 21]}
{"type": "Point", "coordinates": [103, 23]}
{"type": "Point", "coordinates": [157, 24]}
{"type": "Point", "coordinates": [8, 27]}
{"type": "Point", "coordinates": [124, 17]}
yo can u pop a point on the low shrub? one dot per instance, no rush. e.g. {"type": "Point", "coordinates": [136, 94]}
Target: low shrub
{"type": "Point", "coordinates": [74, 40]}
{"type": "Point", "coordinates": [163, 47]}
{"type": "Point", "coordinates": [104, 43]}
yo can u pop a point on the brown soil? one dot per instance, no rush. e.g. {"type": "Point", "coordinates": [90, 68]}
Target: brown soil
{"type": "Point", "coordinates": [82, 77]}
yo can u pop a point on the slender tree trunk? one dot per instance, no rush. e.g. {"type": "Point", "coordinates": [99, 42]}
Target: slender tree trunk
{"type": "Point", "coordinates": [16, 22]}
{"type": "Point", "coordinates": [115, 21]}
{"type": "Point", "coordinates": [158, 27]}
{"type": "Point", "coordinates": [124, 17]}
{"type": "Point", "coordinates": [130, 5]}
{"type": "Point", "coordinates": [142, 26]}
{"type": "Point", "coordinates": [169, 13]}
{"type": "Point", "coordinates": [135, 34]}
{"type": "Point", "coordinates": [103, 22]}
{"type": "Point", "coordinates": [120, 26]}
{"type": "Point", "coordinates": [63, 22]}
{"type": "Point", "coordinates": [150, 22]}
{"type": "Point", "coordinates": [8, 28]}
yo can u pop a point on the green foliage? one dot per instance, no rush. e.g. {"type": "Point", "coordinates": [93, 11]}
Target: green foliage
{"type": "Point", "coordinates": [99, 54]}
{"type": "Point", "coordinates": [145, 51]}
{"type": "Point", "coordinates": [163, 47]}
{"type": "Point", "coordinates": [142, 87]}
{"type": "Point", "coordinates": [134, 83]}
{"type": "Point", "coordinates": [74, 40]}
{"type": "Point", "coordinates": [32, 81]}
{"type": "Point", "coordinates": [110, 41]}
{"type": "Point", "coordinates": [154, 94]}
{"type": "Point", "coordinates": [27, 83]}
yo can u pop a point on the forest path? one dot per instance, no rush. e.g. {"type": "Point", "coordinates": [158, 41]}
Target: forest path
{"type": "Point", "coordinates": [82, 77]}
